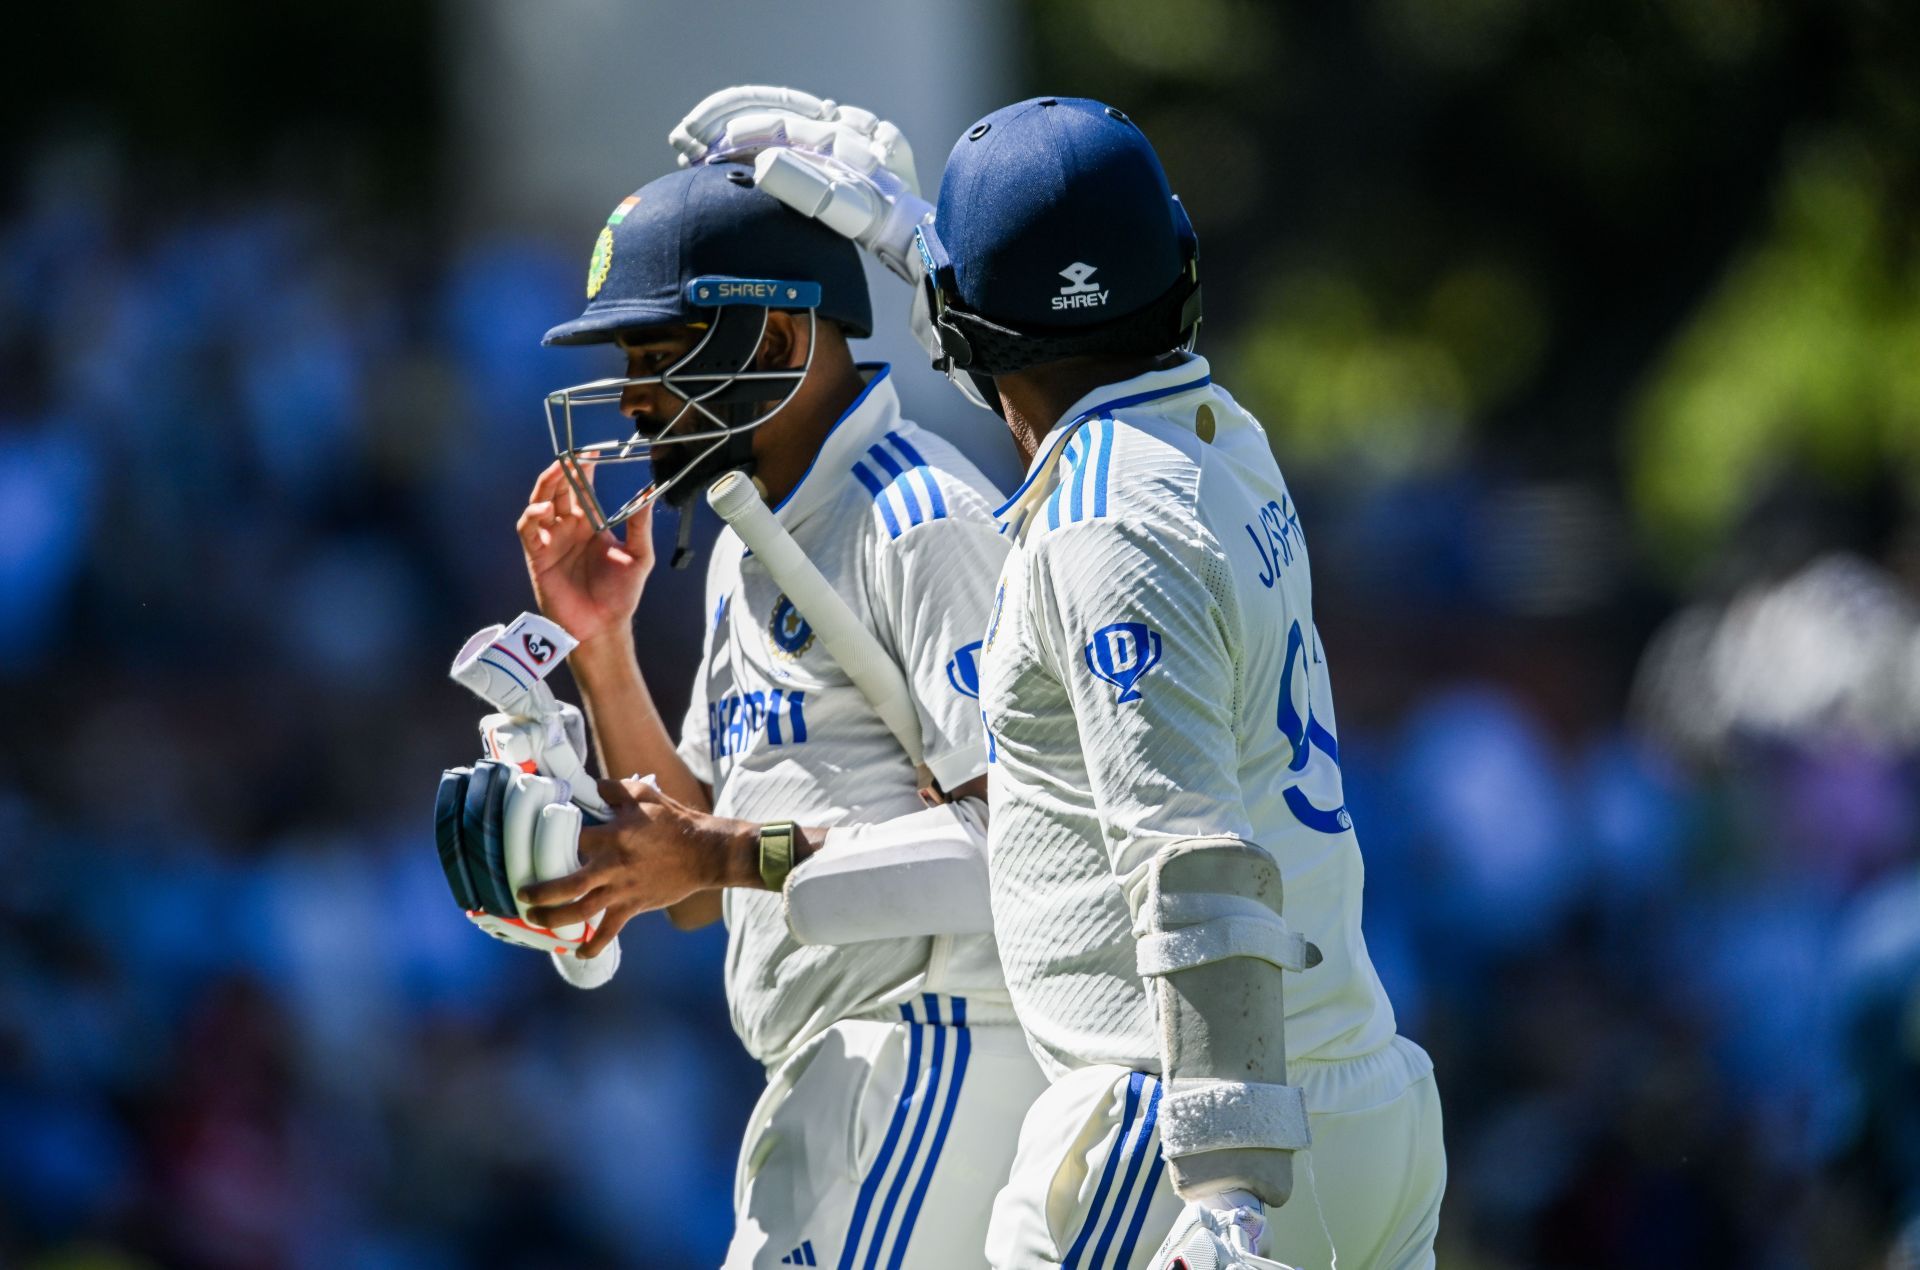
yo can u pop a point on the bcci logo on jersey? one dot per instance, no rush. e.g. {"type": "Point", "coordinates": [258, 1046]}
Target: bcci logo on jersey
{"type": "Point", "coordinates": [789, 631]}
{"type": "Point", "coordinates": [1122, 654]}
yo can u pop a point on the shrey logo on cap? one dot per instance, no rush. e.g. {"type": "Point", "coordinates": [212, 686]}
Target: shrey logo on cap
{"type": "Point", "coordinates": [1079, 293]}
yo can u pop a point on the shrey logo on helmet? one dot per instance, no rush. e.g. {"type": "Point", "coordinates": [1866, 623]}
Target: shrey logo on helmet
{"type": "Point", "coordinates": [1079, 293]}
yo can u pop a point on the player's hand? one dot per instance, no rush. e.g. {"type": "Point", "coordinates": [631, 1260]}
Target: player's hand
{"type": "Point", "coordinates": [653, 853]}
{"type": "Point", "coordinates": [841, 165]}
{"type": "Point", "coordinates": [739, 123]}
{"type": "Point", "coordinates": [586, 580]}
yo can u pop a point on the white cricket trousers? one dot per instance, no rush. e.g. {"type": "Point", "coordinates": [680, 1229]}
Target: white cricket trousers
{"type": "Point", "coordinates": [1089, 1191]}
{"type": "Point", "coordinates": [880, 1146]}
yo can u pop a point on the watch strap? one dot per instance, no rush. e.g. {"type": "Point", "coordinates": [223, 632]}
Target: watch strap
{"type": "Point", "coordinates": [777, 842]}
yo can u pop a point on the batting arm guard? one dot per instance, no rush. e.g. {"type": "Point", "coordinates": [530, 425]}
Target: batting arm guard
{"type": "Point", "coordinates": [922, 874]}
{"type": "Point", "coordinates": [1213, 949]}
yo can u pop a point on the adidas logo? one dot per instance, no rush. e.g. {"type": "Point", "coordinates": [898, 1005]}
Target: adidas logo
{"type": "Point", "coordinates": [1079, 293]}
{"type": "Point", "coordinates": [801, 1256]}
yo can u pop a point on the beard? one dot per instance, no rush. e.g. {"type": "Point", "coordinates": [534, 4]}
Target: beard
{"type": "Point", "coordinates": [692, 468]}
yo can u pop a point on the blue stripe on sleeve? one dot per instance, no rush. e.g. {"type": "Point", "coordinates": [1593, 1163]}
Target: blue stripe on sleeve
{"type": "Point", "coordinates": [879, 492]}
{"type": "Point", "coordinates": [934, 497]}
{"type": "Point", "coordinates": [1072, 1259]}
{"type": "Point", "coordinates": [1140, 1141]}
{"type": "Point", "coordinates": [1104, 461]}
{"type": "Point", "coordinates": [934, 1070]}
{"type": "Point", "coordinates": [1074, 457]}
{"type": "Point", "coordinates": [962, 1047]}
{"type": "Point", "coordinates": [871, 1184]}
{"type": "Point", "coordinates": [1080, 467]}
{"type": "Point", "coordinates": [896, 475]}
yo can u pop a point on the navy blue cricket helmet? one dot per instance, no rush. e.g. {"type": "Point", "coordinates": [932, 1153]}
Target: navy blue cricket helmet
{"type": "Point", "coordinates": [701, 248]}
{"type": "Point", "coordinates": [709, 221]}
{"type": "Point", "coordinates": [1056, 236]}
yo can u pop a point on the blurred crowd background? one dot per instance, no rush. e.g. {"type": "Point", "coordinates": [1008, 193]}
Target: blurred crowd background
{"type": "Point", "coordinates": [1588, 336]}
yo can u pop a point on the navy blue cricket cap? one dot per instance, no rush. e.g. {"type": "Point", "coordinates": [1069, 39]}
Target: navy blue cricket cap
{"type": "Point", "coordinates": [708, 221]}
{"type": "Point", "coordinates": [1055, 213]}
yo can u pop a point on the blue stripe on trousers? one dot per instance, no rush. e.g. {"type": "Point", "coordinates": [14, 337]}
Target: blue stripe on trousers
{"type": "Point", "coordinates": [871, 1184]}
{"type": "Point", "coordinates": [1141, 1140]}
{"type": "Point", "coordinates": [1072, 1259]}
{"type": "Point", "coordinates": [962, 1046]}
{"type": "Point", "coordinates": [919, 1129]}
{"type": "Point", "coordinates": [1140, 1211]}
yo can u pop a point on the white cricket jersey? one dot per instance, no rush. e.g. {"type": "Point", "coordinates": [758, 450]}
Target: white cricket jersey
{"type": "Point", "coordinates": [902, 526]}
{"type": "Point", "coordinates": [1151, 673]}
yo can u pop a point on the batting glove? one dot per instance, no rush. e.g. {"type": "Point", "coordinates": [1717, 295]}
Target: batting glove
{"type": "Point", "coordinates": [840, 165]}
{"type": "Point", "coordinates": [1219, 1232]}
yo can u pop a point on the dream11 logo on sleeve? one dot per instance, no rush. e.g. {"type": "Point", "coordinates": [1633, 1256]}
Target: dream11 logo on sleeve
{"type": "Point", "coordinates": [1122, 654]}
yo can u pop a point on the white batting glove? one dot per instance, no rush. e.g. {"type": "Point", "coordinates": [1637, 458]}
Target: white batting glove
{"type": "Point", "coordinates": [1222, 1231]}
{"type": "Point", "coordinates": [840, 165]}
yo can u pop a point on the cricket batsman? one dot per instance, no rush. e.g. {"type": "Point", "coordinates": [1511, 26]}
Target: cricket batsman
{"type": "Point", "coordinates": [859, 972]}
{"type": "Point", "coordinates": [1176, 882]}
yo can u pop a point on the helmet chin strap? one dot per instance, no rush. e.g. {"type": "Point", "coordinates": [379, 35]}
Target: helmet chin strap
{"type": "Point", "coordinates": [682, 538]}
{"type": "Point", "coordinates": [734, 454]}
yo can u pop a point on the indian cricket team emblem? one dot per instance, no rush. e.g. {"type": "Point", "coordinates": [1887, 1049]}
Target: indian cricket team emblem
{"type": "Point", "coordinates": [993, 622]}
{"type": "Point", "coordinates": [1122, 654]}
{"type": "Point", "coordinates": [963, 670]}
{"type": "Point", "coordinates": [601, 262]}
{"type": "Point", "coordinates": [603, 246]}
{"type": "Point", "coordinates": [789, 631]}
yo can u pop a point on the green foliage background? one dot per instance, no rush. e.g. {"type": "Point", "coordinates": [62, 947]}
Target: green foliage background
{"type": "Point", "coordinates": [1670, 247]}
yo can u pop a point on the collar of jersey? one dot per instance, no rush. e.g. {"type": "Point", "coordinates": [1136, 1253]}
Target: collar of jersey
{"type": "Point", "coordinates": [873, 413]}
{"type": "Point", "coordinates": [1156, 385]}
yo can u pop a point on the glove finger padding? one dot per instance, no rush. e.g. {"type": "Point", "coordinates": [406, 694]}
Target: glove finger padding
{"type": "Point", "coordinates": [556, 853]}
{"type": "Point", "coordinates": [875, 209]}
{"type": "Point", "coordinates": [738, 123]}
{"type": "Point", "coordinates": [480, 837]}
{"type": "Point", "coordinates": [448, 806]}
{"type": "Point", "coordinates": [499, 829]}
{"type": "Point", "coordinates": [694, 136]}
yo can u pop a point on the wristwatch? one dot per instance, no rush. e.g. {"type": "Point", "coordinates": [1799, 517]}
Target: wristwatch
{"type": "Point", "coordinates": [777, 842]}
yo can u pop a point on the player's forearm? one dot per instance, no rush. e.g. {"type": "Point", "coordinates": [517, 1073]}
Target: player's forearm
{"type": "Point", "coordinates": [627, 728]}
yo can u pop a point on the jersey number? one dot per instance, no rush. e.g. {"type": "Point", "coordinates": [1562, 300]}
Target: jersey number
{"type": "Point", "coordinates": [1304, 734]}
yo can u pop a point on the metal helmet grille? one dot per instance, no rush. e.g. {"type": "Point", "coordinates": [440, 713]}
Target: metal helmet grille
{"type": "Point", "coordinates": [716, 386]}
